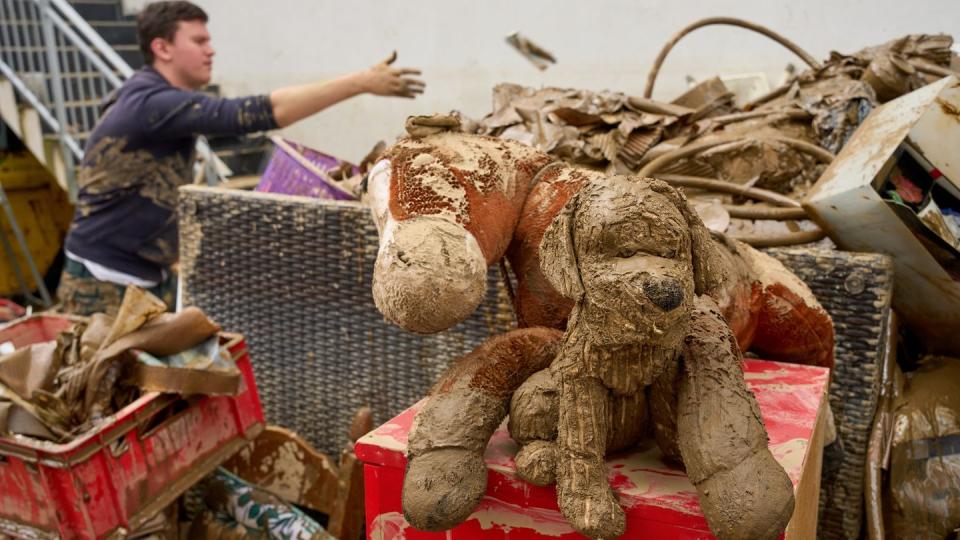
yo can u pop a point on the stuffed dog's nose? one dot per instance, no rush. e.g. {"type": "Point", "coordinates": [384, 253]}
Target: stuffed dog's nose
{"type": "Point", "coordinates": [666, 293]}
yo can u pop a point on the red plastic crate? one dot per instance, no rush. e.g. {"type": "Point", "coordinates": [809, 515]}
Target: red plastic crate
{"type": "Point", "coordinates": [114, 478]}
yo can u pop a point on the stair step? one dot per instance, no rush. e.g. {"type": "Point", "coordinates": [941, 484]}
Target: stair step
{"type": "Point", "coordinates": [101, 11]}
{"type": "Point", "coordinates": [80, 137]}
{"type": "Point", "coordinates": [116, 32]}
{"type": "Point", "coordinates": [77, 103]}
{"type": "Point", "coordinates": [76, 86]}
{"type": "Point", "coordinates": [27, 59]}
{"type": "Point", "coordinates": [122, 32]}
{"type": "Point", "coordinates": [245, 154]}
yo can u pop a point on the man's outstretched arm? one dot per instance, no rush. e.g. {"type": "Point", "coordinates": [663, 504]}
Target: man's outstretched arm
{"type": "Point", "coordinates": [293, 103]}
{"type": "Point", "coordinates": [173, 112]}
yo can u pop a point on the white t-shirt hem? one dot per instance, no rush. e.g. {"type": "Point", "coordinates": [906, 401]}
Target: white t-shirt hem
{"type": "Point", "coordinates": [103, 273]}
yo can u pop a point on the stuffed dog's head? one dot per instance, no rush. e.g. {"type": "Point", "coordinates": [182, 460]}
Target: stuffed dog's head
{"type": "Point", "coordinates": [631, 254]}
{"type": "Point", "coordinates": [446, 206]}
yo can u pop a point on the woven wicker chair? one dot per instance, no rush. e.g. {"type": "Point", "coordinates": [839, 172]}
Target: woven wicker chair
{"type": "Point", "coordinates": [293, 274]}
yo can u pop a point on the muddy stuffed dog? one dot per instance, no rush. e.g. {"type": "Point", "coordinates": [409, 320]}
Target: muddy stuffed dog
{"type": "Point", "coordinates": [653, 309]}
{"type": "Point", "coordinates": [638, 263]}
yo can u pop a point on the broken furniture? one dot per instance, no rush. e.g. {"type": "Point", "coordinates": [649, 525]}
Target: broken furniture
{"type": "Point", "coordinates": [116, 477]}
{"type": "Point", "coordinates": [856, 289]}
{"type": "Point", "coordinates": [659, 500]}
{"type": "Point", "coordinates": [915, 137]}
{"type": "Point", "coordinates": [283, 464]}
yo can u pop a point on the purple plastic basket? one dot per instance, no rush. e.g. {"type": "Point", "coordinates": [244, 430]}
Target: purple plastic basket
{"type": "Point", "coordinates": [295, 169]}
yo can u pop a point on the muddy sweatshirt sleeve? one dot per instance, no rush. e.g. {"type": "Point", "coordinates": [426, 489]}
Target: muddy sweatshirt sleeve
{"type": "Point", "coordinates": [171, 112]}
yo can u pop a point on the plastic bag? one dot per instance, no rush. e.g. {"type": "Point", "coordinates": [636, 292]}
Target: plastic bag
{"type": "Point", "coordinates": [924, 489]}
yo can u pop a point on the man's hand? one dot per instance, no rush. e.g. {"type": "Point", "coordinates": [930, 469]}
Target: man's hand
{"type": "Point", "coordinates": [383, 80]}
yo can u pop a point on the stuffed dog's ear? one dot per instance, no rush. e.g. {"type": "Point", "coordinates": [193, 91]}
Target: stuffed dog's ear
{"type": "Point", "coordinates": [558, 255]}
{"type": "Point", "coordinates": [706, 261]}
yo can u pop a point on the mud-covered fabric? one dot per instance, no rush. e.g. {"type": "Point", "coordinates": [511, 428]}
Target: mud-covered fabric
{"type": "Point", "coordinates": [82, 294]}
{"type": "Point", "coordinates": [139, 153]}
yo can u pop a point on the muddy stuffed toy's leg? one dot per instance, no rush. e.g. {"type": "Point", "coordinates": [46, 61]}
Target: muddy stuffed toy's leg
{"type": "Point", "coordinates": [744, 492]}
{"type": "Point", "coordinates": [662, 401]}
{"type": "Point", "coordinates": [583, 491]}
{"type": "Point", "coordinates": [446, 476]}
{"type": "Point", "coordinates": [534, 411]}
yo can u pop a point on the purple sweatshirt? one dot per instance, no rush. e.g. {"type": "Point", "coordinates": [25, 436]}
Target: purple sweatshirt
{"type": "Point", "coordinates": [139, 153]}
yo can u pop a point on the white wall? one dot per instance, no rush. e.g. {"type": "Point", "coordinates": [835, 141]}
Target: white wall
{"type": "Point", "coordinates": [459, 45]}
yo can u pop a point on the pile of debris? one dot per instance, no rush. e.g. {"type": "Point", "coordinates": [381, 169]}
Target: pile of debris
{"type": "Point", "coordinates": [57, 390]}
{"type": "Point", "coordinates": [742, 165]}
{"type": "Point", "coordinates": [766, 143]}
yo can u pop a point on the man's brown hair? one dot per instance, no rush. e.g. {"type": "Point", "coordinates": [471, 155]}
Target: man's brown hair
{"type": "Point", "coordinates": [159, 20]}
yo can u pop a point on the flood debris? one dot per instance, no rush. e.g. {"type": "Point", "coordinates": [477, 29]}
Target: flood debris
{"type": "Point", "coordinates": [895, 189]}
{"type": "Point", "coordinates": [822, 106]}
{"type": "Point", "coordinates": [59, 389]}
{"type": "Point", "coordinates": [924, 480]}
{"type": "Point", "coordinates": [538, 56]}
{"type": "Point", "coordinates": [780, 143]}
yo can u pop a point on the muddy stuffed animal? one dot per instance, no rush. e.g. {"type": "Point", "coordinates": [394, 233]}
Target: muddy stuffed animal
{"type": "Point", "coordinates": [450, 204]}
{"type": "Point", "coordinates": [636, 262]}
{"type": "Point", "coordinates": [653, 309]}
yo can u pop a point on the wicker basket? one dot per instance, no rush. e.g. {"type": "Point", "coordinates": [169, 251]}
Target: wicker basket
{"type": "Point", "coordinates": [294, 275]}
{"type": "Point", "coordinates": [856, 289]}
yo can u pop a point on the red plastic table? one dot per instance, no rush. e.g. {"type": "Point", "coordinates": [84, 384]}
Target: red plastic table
{"type": "Point", "coordinates": [659, 500]}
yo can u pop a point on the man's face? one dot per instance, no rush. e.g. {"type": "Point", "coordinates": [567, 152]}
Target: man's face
{"type": "Point", "coordinates": [190, 54]}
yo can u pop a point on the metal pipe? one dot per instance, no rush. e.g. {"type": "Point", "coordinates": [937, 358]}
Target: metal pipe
{"type": "Point", "coordinates": [730, 21]}
{"type": "Point", "coordinates": [712, 184]}
{"type": "Point", "coordinates": [764, 212]}
{"type": "Point", "coordinates": [788, 239]}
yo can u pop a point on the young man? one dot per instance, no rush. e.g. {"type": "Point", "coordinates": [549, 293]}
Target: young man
{"type": "Point", "coordinates": [124, 231]}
